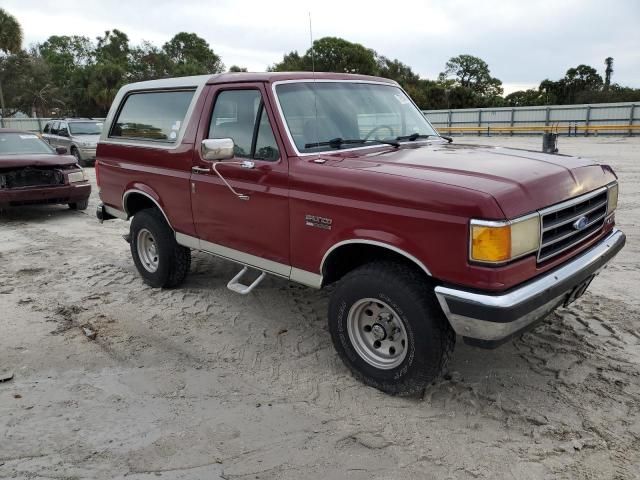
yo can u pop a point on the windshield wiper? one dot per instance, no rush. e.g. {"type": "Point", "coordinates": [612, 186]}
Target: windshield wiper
{"type": "Point", "coordinates": [413, 137]}
{"type": "Point", "coordinates": [338, 142]}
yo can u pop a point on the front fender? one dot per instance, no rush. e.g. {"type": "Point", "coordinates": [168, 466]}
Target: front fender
{"type": "Point", "coordinates": [378, 238]}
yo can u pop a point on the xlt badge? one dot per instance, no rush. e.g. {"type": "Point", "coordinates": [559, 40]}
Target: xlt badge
{"type": "Point", "coordinates": [319, 222]}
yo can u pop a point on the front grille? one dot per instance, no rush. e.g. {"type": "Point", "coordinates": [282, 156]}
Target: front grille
{"type": "Point", "coordinates": [558, 230]}
{"type": "Point", "coordinates": [31, 177]}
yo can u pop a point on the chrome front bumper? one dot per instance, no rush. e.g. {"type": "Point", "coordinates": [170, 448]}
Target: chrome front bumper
{"type": "Point", "coordinates": [488, 320]}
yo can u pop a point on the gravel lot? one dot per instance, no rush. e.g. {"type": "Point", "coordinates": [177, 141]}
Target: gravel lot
{"type": "Point", "coordinates": [201, 383]}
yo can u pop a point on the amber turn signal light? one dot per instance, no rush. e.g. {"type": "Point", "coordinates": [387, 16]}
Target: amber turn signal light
{"type": "Point", "coordinates": [501, 241]}
{"type": "Point", "coordinates": [490, 244]}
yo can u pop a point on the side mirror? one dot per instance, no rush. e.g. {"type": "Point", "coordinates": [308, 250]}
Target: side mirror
{"type": "Point", "coordinates": [217, 149]}
{"type": "Point", "coordinates": [62, 150]}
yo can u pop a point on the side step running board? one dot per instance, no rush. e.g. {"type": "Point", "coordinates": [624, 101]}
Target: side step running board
{"type": "Point", "coordinates": [235, 285]}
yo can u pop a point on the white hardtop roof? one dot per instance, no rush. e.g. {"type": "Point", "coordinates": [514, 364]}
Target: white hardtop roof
{"type": "Point", "coordinates": [199, 81]}
{"type": "Point", "coordinates": [176, 82]}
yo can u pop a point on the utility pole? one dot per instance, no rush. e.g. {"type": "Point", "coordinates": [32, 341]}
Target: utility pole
{"type": "Point", "coordinates": [1, 107]}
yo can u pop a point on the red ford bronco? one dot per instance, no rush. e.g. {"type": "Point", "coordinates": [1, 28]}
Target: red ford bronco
{"type": "Point", "coordinates": [339, 179]}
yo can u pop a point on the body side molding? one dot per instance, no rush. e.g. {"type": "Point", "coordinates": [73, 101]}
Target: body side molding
{"type": "Point", "coordinates": [116, 213]}
{"type": "Point", "coordinates": [304, 277]}
{"type": "Point", "coordinates": [275, 268]}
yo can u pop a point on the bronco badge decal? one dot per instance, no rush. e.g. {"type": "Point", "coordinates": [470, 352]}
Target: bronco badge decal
{"type": "Point", "coordinates": [319, 222]}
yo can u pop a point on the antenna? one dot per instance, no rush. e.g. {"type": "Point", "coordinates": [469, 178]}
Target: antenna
{"type": "Point", "coordinates": [313, 54]}
{"type": "Point", "coordinates": [313, 73]}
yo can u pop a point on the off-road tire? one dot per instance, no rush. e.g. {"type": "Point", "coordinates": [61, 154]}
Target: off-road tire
{"type": "Point", "coordinates": [174, 260]}
{"type": "Point", "coordinates": [81, 205]}
{"type": "Point", "coordinates": [430, 338]}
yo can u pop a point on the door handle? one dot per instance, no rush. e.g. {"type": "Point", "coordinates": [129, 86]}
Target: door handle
{"type": "Point", "coordinates": [200, 170]}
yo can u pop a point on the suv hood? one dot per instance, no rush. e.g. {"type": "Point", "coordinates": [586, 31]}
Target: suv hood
{"type": "Point", "coordinates": [44, 160]}
{"type": "Point", "coordinates": [521, 181]}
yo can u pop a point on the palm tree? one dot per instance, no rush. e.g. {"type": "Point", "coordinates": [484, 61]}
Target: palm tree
{"type": "Point", "coordinates": [10, 41]}
{"type": "Point", "coordinates": [608, 71]}
{"type": "Point", "coordinates": [10, 33]}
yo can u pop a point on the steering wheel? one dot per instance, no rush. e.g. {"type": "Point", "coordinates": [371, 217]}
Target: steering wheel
{"type": "Point", "coordinates": [375, 129]}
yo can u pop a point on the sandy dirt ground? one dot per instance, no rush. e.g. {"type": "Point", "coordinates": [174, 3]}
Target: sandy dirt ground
{"type": "Point", "coordinates": [202, 383]}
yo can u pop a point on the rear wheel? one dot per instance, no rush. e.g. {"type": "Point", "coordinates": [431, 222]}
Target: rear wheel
{"type": "Point", "coordinates": [81, 205]}
{"type": "Point", "coordinates": [388, 329]}
{"type": "Point", "coordinates": [159, 259]}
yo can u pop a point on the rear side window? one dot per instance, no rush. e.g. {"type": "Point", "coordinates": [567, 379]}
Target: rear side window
{"type": "Point", "coordinates": [54, 128]}
{"type": "Point", "coordinates": [156, 116]}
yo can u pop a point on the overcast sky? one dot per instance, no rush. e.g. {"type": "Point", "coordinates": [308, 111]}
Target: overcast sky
{"type": "Point", "coordinates": [523, 42]}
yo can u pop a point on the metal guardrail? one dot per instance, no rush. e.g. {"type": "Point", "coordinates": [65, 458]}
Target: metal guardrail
{"type": "Point", "coordinates": [569, 130]}
{"type": "Point", "coordinates": [620, 118]}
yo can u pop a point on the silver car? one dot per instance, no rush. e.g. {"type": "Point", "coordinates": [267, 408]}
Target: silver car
{"type": "Point", "coordinates": [79, 136]}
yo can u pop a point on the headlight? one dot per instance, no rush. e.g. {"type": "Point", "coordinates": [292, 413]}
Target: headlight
{"type": "Point", "coordinates": [86, 145]}
{"type": "Point", "coordinates": [77, 176]}
{"type": "Point", "coordinates": [612, 198]}
{"type": "Point", "coordinates": [499, 242]}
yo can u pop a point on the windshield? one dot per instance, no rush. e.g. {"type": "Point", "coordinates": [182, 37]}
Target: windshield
{"type": "Point", "coordinates": [85, 128]}
{"type": "Point", "coordinates": [348, 111]}
{"type": "Point", "coordinates": [23, 143]}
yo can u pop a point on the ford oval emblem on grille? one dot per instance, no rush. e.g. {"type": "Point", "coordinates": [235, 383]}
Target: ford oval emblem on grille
{"type": "Point", "coordinates": [581, 223]}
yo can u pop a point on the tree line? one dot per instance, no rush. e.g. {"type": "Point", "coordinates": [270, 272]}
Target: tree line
{"type": "Point", "coordinates": [77, 76]}
{"type": "Point", "coordinates": [465, 82]}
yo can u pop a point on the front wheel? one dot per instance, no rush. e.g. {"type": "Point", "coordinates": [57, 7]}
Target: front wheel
{"type": "Point", "coordinates": [160, 260]}
{"type": "Point", "coordinates": [388, 329]}
{"type": "Point", "coordinates": [79, 159]}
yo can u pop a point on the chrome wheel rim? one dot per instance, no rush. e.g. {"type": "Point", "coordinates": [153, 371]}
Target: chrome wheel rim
{"type": "Point", "coordinates": [147, 250]}
{"type": "Point", "coordinates": [377, 333]}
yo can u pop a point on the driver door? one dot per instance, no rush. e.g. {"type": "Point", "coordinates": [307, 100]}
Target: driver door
{"type": "Point", "coordinates": [254, 231]}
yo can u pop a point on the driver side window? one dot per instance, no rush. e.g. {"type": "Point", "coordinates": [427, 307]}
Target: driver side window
{"type": "Point", "coordinates": [241, 116]}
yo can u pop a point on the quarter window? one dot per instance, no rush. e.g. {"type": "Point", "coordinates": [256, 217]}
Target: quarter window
{"type": "Point", "coordinates": [46, 128]}
{"type": "Point", "coordinates": [156, 116]}
{"type": "Point", "coordinates": [241, 116]}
